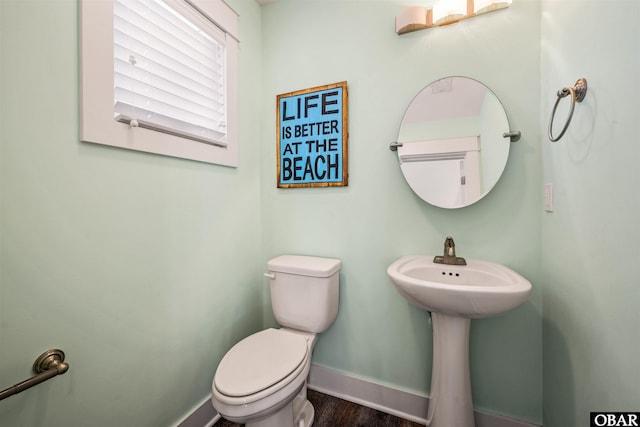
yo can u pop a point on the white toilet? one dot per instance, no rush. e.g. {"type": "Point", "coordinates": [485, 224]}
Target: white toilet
{"type": "Point", "coordinates": [261, 381]}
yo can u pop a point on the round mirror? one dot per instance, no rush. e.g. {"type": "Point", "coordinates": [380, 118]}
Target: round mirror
{"type": "Point", "coordinates": [451, 148]}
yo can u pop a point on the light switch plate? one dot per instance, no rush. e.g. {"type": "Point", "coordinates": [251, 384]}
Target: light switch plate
{"type": "Point", "coordinates": [548, 197]}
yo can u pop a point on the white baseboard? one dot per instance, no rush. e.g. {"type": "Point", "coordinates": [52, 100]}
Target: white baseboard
{"type": "Point", "coordinates": [204, 415]}
{"type": "Point", "coordinates": [403, 404]}
{"type": "Point", "coordinates": [393, 401]}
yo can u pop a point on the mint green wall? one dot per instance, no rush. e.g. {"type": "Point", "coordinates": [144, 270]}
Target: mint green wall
{"type": "Point", "coordinates": [591, 242]}
{"type": "Point", "coordinates": [377, 219]}
{"type": "Point", "coordinates": [144, 269]}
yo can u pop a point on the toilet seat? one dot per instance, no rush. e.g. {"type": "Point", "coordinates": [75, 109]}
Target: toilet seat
{"type": "Point", "coordinates": [260, 365]}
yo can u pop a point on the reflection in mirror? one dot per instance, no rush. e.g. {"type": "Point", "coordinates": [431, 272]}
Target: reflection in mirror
{"type": "Point", "coordinates": [452, 148]}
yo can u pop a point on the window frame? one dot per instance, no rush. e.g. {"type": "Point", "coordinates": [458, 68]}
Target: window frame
{"type": "Point", "coordinates": [97, 123]}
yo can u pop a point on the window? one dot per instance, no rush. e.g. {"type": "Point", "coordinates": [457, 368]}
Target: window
{"type": "Point", "coordinates": [161, 76]}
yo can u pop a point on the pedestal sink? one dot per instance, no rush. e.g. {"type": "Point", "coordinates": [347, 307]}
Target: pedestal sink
{"type": "Point", "coordinates": [455, 294]}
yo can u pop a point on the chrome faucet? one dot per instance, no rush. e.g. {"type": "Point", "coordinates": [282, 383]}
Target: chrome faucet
{"type": "Point", "coordinates": [449, 254]}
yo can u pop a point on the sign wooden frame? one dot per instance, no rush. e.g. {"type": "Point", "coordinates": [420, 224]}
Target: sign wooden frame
{"type": "Point", "coordinates": [312, 135]}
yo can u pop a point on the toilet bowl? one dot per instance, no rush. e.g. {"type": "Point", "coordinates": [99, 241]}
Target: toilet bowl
{"type": "Point", "coordinates": [262, 380]}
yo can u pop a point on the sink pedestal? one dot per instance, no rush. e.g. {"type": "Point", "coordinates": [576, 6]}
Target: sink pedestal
{"type": "Point", "coordinates": [450, 403]}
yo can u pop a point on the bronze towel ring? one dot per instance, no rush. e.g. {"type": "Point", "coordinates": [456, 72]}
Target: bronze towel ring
{"type": "Point", "coordinates": [577, 93]}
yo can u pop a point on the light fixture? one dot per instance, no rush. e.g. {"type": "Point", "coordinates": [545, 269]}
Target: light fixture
{"type": "Point", "coordinates": [449, 11]}
{"type": "Point", "coordinates": [412, 18]}
{"type": "Point", "coordinates": [483, 6]}
{"type": "Point", "coordinates": [444, 12]}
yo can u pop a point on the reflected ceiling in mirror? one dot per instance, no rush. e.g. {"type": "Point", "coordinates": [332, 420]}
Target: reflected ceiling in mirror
{"type": "Point", "coordinates": [452, 149]}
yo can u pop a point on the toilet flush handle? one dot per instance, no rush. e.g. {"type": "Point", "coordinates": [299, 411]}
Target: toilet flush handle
{"type": "Point", "coordinates": [270, 275]}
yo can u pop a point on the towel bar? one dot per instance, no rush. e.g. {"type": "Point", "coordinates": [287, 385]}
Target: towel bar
{"type": "Point", "coordinates": [47, 365]}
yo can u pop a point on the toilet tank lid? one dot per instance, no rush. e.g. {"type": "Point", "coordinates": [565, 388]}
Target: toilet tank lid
{"type": "Point", "coordinates": [304, 265]}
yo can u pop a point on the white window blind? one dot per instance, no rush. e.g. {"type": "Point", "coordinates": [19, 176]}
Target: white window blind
{"type": "Point", "coordinates": [169, 70]}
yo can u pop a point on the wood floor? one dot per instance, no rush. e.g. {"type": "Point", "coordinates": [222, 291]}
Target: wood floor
{"type": "Point", "coordinates": [333, 412]}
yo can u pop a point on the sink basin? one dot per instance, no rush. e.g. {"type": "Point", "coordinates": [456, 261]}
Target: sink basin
{"type": "Point", "coordinates": [478, 289]}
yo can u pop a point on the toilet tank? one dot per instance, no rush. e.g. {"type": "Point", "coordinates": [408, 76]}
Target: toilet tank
{"type": "Point", "coordinates": [304, 291]}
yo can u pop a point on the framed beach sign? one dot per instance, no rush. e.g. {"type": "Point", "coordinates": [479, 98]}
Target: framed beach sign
{"type": "Point", "coordinates": [312, 137]}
